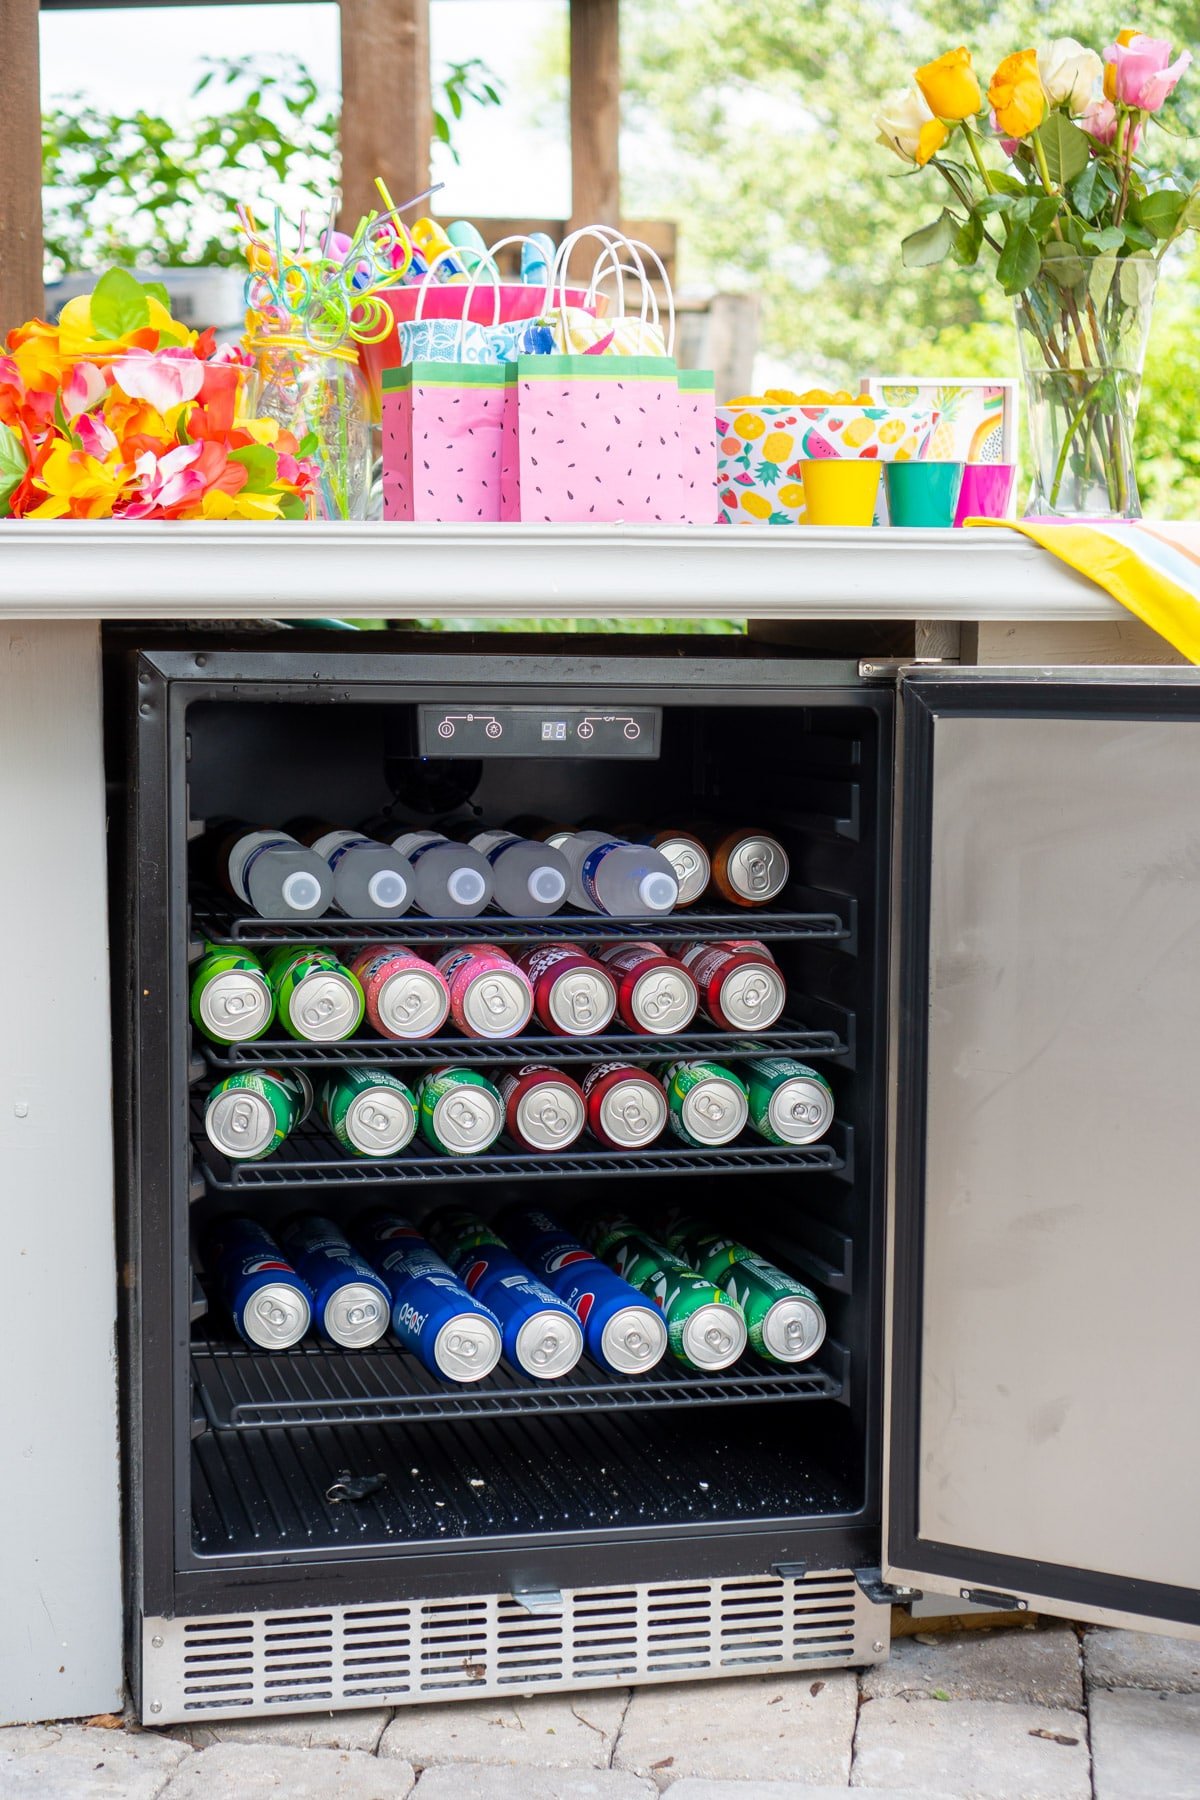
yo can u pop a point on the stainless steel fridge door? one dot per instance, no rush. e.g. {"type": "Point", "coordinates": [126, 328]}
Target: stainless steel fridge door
{"type": "Point", "coordinates": [1043, 1430]}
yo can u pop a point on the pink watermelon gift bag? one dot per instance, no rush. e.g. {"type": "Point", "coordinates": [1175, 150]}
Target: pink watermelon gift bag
{"type": "Point", "coordinates": [698, 503]}
{"type": "Point", "coordinates": [593, 440]}
{"type": "Point", "coordinates": [443, 429]}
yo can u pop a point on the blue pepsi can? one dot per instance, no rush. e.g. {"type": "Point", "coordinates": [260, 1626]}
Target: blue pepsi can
{"type": "Point", "coordinates": [270, 1304]}
{"type": "Point", "coordinates": [621, 1330]}
{"type": "Point", "coordinates": [542, 1335]}
{"type": "Point", "coordinates": [433, 1315]}
{"type": "Point", "coordinates": [351, 1304]}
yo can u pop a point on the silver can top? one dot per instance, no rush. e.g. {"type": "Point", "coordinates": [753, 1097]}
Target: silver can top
{"type": "Point", "coordinates": [467, 1347]}
{"type": "Point", "coordinates": [551, 1115]}
{"type": "Point", "coordinates": [356, 1315]}
{"type": "Point", "coordinates": [413, 1003]}
{"type": "Point", "coordinates": [691, 864]}
{"type": "Point", "coordinates": [793, 1329]}
{"type": "Point", "coordinates": [380, 1121]}
{"type": "Point", "coordinates": [549, 1344]}
{"type": "Point", "coordinates": [664, 1000]}
{"type": "Point", "coordinates": [468, 1118]}
{"type": "Point", "coordinates": [634, 1339]}
{"type": "Point", "coordinates": [497, 1003]}
{"type": "Point", "coordinates": [324, 1006]}
{"type": "Point", "coordinates": [714, 1336]}
{"type": "Point", "coordinates": [801, 1110]}
{"type": "Point", "coordinates": [239, 1122]}
{"type": "Point", "coordinates": [715, 1110]}
{"type": "Point", "coordinates": [582, 1002]}
{"type": "Point", "coordinates": [634, 1111]}
{"type": "Point", "coordinates": [753, 995]}
{"type": "Point", "coordinates": [236, 1005]}
{"type": "Point", "coordinates": [276, 1317]}
{"type": "Point", "coordinates": [758, 868]}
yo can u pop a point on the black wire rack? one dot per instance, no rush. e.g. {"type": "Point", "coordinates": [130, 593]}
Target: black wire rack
{"type": "Point", "coordinates": [245, 1390]}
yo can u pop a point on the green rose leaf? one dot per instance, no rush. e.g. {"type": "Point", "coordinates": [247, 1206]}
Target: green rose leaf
{"type": "Point", "coordinates": [996, 203]}
{"type": "Point", "coordinates": [1087, 191]}
{"type": "Point", "coordinates": [261, 465]}
{"type": "Point", "coordinates": [1044, 214]}
{"type": "Point", "coordinates": [1137, 237]}
{"type": "Point", "coordinates": [1160, 212]}
{"type": "Point", "coordinates": [1068, 150]}
{"type": "Point", "coordinates": [119, 305]}
{"type": "Point", "coordinates": [931, 244]}
{"type": "Point", "coordinates": [1019, 261]}
{"type": "Point", "coordinates": [968, 240]}
{"type": "Point", "coordinates": [1004, 183]}
{"type": "Point", "coordinates": [1106, 241]}
{"type": "Point", "coordinates": [12, 467]}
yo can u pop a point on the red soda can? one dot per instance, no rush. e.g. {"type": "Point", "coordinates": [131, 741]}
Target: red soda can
{"type": "Point", "coordinates": [740, 985]}
{"type": "Point", "coordinates": [626, 1106]}
{"type": "Point", "coordinates": [655, 993]}
{"type": "Point", "coordinates": [406, 997]}
{"type": "Point", "coordinates": [573, 994]}
{"type": "Point", "coordinates": [544, 1109]}
{"type": "Point", "coordinates": [490, 997]}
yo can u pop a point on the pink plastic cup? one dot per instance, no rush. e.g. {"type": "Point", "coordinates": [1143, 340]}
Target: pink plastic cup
{"type": "Point", "coordinates": [986, 491]}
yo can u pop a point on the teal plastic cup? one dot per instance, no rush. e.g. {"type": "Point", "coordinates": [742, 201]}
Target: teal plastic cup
{"type": "Point", "coordinates": [922, 493]}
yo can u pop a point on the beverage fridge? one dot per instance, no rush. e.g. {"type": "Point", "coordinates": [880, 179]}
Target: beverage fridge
{"type": "Point", "coordinates": [986, 953]}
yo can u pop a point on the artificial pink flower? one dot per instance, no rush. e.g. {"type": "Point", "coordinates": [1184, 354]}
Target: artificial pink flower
{"type": "Point", "coordinates": [97, 438]}
{"type": "Point", "coordinates": [166, 481]}
{"type": "Point", "coordinates": [82, 388]}
{"type": "Point", "coordinates": [162, 378]}
{"type": "Point", "coordinates": [1100, 123]}
{"type": "Point", "coordinates": [1143, 71]}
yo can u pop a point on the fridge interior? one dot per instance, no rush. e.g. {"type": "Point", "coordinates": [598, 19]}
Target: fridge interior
{"type": "Point", "coordinates": [595, 1458]}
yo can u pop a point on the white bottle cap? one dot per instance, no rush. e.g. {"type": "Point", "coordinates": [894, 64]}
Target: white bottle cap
{"type": "Point", "coordinates": [547, 884]}
{"type": "Point", "coordinates": [658, 891]}
{"type": "Point", "coordinates": [467, 886]}
{"type": "Point", "coordinates": [301, 890]}
{"type": "Point", "coordinates": [387, 887]}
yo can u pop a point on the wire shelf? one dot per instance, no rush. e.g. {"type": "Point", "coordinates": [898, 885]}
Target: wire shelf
{"type": "Point", "coordinates": [246, 1390]}
{"type": "Point", "coordinates": [787, 1037]}
{"type": "Point", "coordinates": [311, 1159]}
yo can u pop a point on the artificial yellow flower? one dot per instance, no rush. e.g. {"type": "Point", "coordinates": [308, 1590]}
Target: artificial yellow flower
{"type": "Point", "coordinates": [217, 504]}
{"type": "Point", "coordinates": [263, 431]}
{"type": "Point", "coordinates": [1110, 69]}
{"type": "Point", "coordinates": [950, 86]}
{"type": "Point", "coordinates": [79, 339]}
{"type": "Point", "coordinates": [77, 486]}
{"type": "Point", "coordinates": [40, 360]}
{"type": "Point", "coordinates": [1017, 96]}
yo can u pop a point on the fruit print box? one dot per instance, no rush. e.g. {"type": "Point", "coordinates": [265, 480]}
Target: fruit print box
{"type": "Point", "coordinates": [760, 452]}
{"type": "Point", "coordinates": [442, 441]}
{"type": "Point", "coordinates": [592, 440]}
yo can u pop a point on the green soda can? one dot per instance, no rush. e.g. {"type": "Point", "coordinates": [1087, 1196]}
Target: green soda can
{"type": "Point", "coordinates": [232, 1000]}
{"type": "Point", "coordinates": [707, 1102]}
{"type": "Point", "coordinates": [789, 1102]}
{"type": "Point", "coordinates": [784, 1320]}
{"type": "Point", "coordinates": [368, 1111]}
{"type": "Point", "coordinates": [316, 998]}
{"type": "Point", "coordinates": [248, 1115]}
{"type": "Point", "coordinates": [705, 1330]}
{"type": "Point", "coordinates": [459, 1111]}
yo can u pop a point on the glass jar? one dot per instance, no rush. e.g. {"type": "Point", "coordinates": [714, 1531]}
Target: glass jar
{"type": "Point", "coordinates": [318, 392]}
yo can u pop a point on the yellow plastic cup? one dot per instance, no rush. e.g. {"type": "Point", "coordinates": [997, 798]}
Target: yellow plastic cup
{"type": "Point", "coordinates": [841, 492]}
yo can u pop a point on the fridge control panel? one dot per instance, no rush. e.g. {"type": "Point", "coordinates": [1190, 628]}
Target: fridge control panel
{"type": "Point", "coordinates": [455, 730]}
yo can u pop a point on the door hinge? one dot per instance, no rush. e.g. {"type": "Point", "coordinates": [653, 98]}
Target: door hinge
{"type": "Point", "coordinates": [545, 1602]}
{"type": "Point", "coordinates": [891, 668]}
{"type": "Point", "coordinates": [994, 1602]}
{"type": "Point", "coordinates": [790, 1571]}
{"type": "Point", "coordinates": [884, 1593]}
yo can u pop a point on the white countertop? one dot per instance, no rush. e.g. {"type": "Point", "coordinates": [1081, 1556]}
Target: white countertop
{"type": "Point", "coordinates": [111, 570]}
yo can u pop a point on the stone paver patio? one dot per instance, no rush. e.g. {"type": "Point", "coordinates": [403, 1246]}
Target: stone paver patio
{"type": "Point", "coordinates": [1050, 1713]}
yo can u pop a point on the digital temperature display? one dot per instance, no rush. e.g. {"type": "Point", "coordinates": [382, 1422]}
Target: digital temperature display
{"type": "Point", "coordinates": [583, 731]}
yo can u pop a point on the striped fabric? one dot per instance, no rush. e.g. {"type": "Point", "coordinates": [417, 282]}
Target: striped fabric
{"type": "Point", "coordinates": [1151, 568]}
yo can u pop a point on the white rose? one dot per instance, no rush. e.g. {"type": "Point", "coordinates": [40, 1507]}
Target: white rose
{"type": "Point", "coordinates": [901, 119]}
{"type": "Point", "coordinates": [1069, 74]}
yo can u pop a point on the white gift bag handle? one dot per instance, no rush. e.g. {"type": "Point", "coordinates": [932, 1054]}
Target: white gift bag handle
{"type": "Point", "coordinates": [615, 245]}
{"type": "Point", "coordinates": [468, 288]}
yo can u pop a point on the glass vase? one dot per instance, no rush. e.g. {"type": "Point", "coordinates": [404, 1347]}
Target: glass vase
{"type": "Point", "coordinates": [1082, 328]}
{"type": "Point", "coordinates": [320, 392]}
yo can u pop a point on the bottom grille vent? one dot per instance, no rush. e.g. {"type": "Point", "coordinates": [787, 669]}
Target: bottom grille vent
{"type": "Point", "coordinates": [489, 1644]}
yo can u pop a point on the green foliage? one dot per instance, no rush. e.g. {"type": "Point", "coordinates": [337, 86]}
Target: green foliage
{"type": "Point", "coordinates": [143, 189]}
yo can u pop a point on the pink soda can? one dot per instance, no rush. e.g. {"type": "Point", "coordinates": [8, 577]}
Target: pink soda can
{"type": "Point", "coordinates": [490, 997]}
{"type": "Point", "coordinates": [406, 996]}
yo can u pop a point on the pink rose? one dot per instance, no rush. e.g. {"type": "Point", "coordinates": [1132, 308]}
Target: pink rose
{"type": "Point", "coordinates": [1100, 123]}
{"type": "Point", "coordinates": [1143, 71]}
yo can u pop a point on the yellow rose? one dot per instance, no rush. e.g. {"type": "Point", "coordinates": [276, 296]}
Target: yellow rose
{"type": "Point", "coordinates": [950, 85]}
{"type": "Point", "coordinates": [1016, 95]}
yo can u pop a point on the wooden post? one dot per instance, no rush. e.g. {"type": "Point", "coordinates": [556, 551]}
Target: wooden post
{"type": "Point", "coordinates": [387, 120]}
{"type": "Point", "coordinates": [22, 293]}
{"type": "Point", "coordinates": [595, 113]}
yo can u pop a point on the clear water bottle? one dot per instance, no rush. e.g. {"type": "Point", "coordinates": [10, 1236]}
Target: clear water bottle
{"type": "Point", "coordinates": [529, 879]}
{"type": "Point", "coordinates": [275, 874]}
{"type": "Point", "coordinates": [450, 881]}
{"type": "Point", "coordinates": [370, 880]}
{"type": "Point", "coordinates": [610, 875]}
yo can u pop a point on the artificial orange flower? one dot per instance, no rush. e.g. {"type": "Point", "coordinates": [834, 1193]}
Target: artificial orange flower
{"type": "Point", "coordinates": [77, 486]}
